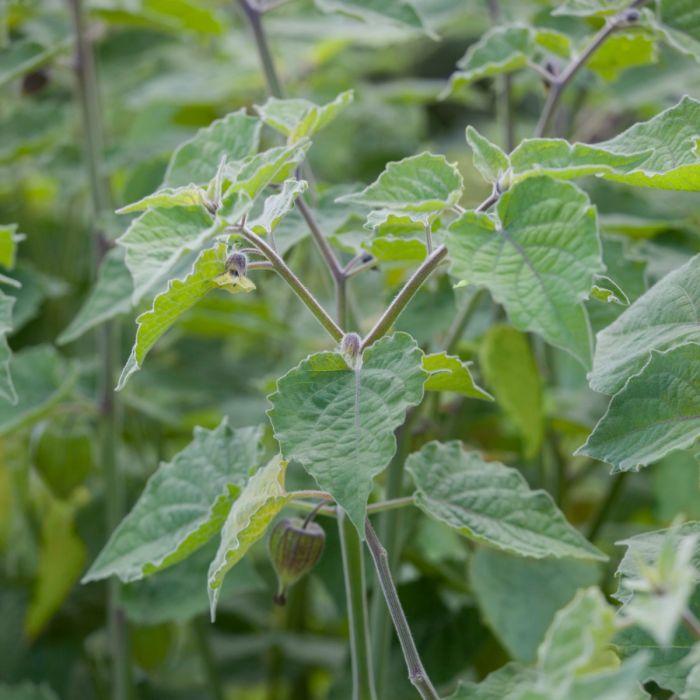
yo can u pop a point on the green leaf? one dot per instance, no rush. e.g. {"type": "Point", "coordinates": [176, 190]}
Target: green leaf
{"type": "Point", "coordinates": [655, 412]}
{"type": "Point", "coordinates": [157, 239]}
{"type": "Point", "coordinates": [61, 559]}
{"type": "Point", "coordinates": [669, 663]}
{"type": "Point", "coordinates": [196, 161]}
{"type": "Point", "coordinates": [671, 137]}
{"type": "Point", "coordinates": [184, 504]}
{"type": "Point", "coordinates": [564, 160]}
{"type": "Point", "coordinates": [692, 686]}
{"type": "Point", "coordinates": [177, 594]}
{"type": "Point", "coordinates": [518, 597]}
{"type": "Point", "coordinates": [538, 259]}
{"type": "Point", "coordinates": [7, 387]}
{"type": "Point", "coordinates": [339, 422]}
{"type": "Point", "coordinates": [488, 158]}
{"type": "Point", "coordinates": [449, 373]}
{"type": "Point", "coordinates": [27, 691]}
{"type": "Point", "coordinates": [622, 51]}
{"type": "Point", "coordinates": [506, 49]}
{"type": "Point", "coordinates": [679, 24]}
{"type": "Point", "coordinates": [396, 249]}
{"type": "Point", "coordinates": [259, 503]}
{"type": "Point", "coordinates": [492, 504]}
{"type": "Point", "coordinates": [277, 205]}
{"type": "Point", "coordinates": [499, 685]}
{"type": "Point", "coordinates": [187, 196]}
{"type": "Point", "coordinates": [110, 297]}
{"type": "Point", "coordinates": [298, 118]}
{"type": "Point", "coordinates": [590, 8]}
{"type": "Point", "coordinates": [42, 378]}
{"type": "Point", "coordinates": [607, 291]}
{"type": "Point", "coordinates": [209, 272]}
{"type": "Point", "coordinates": [24, 57]}
{"type": "Point", "coordinates": [425, 183]}
{"type": "Point", "coordinates": [8, 245]}
{"type": "Point", "coordinates": [511, 372]}
{"type": "Point", "coordinates": [661, 319]}
{"type": "Point", "coordinates": [401, 13]}
{"type": "Point", "coordinates": [249, 177]}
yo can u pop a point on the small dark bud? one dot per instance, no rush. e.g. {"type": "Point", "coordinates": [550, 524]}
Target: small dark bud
{"type": "Point", "coordinates": [350, 346]}
{"type": "Point", "coordinates": [35, 81]}
{"type": "Point", "coordinates": [295, 546]}
{"type": "Point", "coordinates": [237, 264]}
{"type": "Point", "coordinates": [631, 16]}
{"type": "Point", "coordinates": [366, 257]}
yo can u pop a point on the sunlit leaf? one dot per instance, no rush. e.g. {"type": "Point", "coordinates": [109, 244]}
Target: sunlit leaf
{"type": "Point", "coordinates": [8, 245]}
{"type": "Point", "coordinates": [622, 51]}
{"type": "Point", "coordinates": [655, 412]}
{"type": "Point", "coordinates": [449, 373]}
{"type": "Point", "coordinates": [327, 415]}
{"type": "Point", "coordinates": [492, 504]}
{"type": "Point", "coordinates": [208, 273]}
{"type": "Point", "coordinates": [183, 506]}
{"type": "Point", "coordinates": [187, 196]}
{"type": "Point", "coordinates": [297, 118]}
{"type": "Point", "coordinates": [260, 501]}
{"type": "Point", "coordinates": [538, 259]}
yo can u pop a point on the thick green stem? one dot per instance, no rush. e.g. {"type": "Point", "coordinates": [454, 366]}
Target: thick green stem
{"type": "Point", "coordinates": [416, 672]}
{"type": "Point", "coordinates": [335, 331]}
{"type": "Point", "coordinates": [355, 592]}
{"type": "Point", "coordinates": [88, 93]}
{"type": "Point", "coordinates": [414, 283]}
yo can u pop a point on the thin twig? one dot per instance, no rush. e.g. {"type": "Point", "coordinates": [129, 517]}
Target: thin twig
{"type": "Point", "coordinates": [416, 671]}
{"type": "Point", "coordinates": [334, 330]}
{"type": "Point", "coordinates": [560, 83]}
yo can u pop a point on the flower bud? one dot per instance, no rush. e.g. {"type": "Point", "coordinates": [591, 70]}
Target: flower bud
{"type": "Point", "coordinates": [350, 348]}
{"type": "Point", "coordinates": [295, 546]}
{"type": "Point", "coordinates": [237, 264]}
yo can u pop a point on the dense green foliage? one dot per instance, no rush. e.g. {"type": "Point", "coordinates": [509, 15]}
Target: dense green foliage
{"type": "Point", "coordinates": [427, 271]}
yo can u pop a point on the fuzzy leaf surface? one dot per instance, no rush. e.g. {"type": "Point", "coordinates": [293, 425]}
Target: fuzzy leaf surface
{"type": "Point", "coordinates": [183, 505]}
{"type": "Point", "coordinates": [538, 260]}
{"type": "Point", "coordinates": [339, 422]}
{"type": "Point", "coordinates": [666, 316]}
{"type": "Point", "coordinates": [492, 504]}
{"type": "Point", "coordinates": [449, 373]}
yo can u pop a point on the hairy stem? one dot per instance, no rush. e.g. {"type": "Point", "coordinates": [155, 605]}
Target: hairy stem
{"type": "Point", "coordinates": [559, 83]}
{"type": "Point", "coordinates": [281, 267]}
{"type": "Point", "coordinates": [355, 588]}
{"type": "Point", "coordinates": [414, 283]}
{"type": "Point", "coordinates": [107, 340]}
{"type": "Point", "coordinates": [416, 672]}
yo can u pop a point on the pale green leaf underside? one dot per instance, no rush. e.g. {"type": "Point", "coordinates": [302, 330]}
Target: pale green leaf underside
{"type": "Point", "coordinates": [186, 196]}
{"type": "Point", "coordinates": [656, 411]}
{"type": "Point", "coordinates": [401, 13]}
{"type": "Point", "coordinates": [511, 372]}
{"type": "Point", "coordinates": [590, 8]}
{"type": "Point", "coordinates": [662, 318]}
{"type": "Point", "coordinates": [539, 261]}
{"type": "Point", "coordinates": [7, 388]}
{"type": "Point", "coordinates": [207, 273]}
{"type": "Point", "coordinates": [661, 153]}
{"type": "Point", "coordinates": [155, 241]}
{"type": "Point", "coordinates": [260, 501]}
{"type": "Point", "coordinates": [277, 205]}
{"type": "Point", "coordinates": [678, 22]}
{"type": "Point", "coordinates": [492, 504]}
{"type": "Point", "coordinates": [339, 423]}
{"type": "Point", "coordinates": [184, 504]}
{"type": "Point", "coordinates": [233, 137]}
{"type": "Point", "coordinates": [297, 118]}
{"type": "Point", "coordinates": [449, 373]}
{"type": "Point", "coordinates": [488, 158]}
{"type": "Point", "coordinates": [424, 183]}
{"type": "Point", "coordinates": [110, 297]}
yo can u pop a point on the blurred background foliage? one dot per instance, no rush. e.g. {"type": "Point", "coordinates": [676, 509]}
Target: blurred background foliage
{"type": "Point", "coordinates": [166, 68]}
